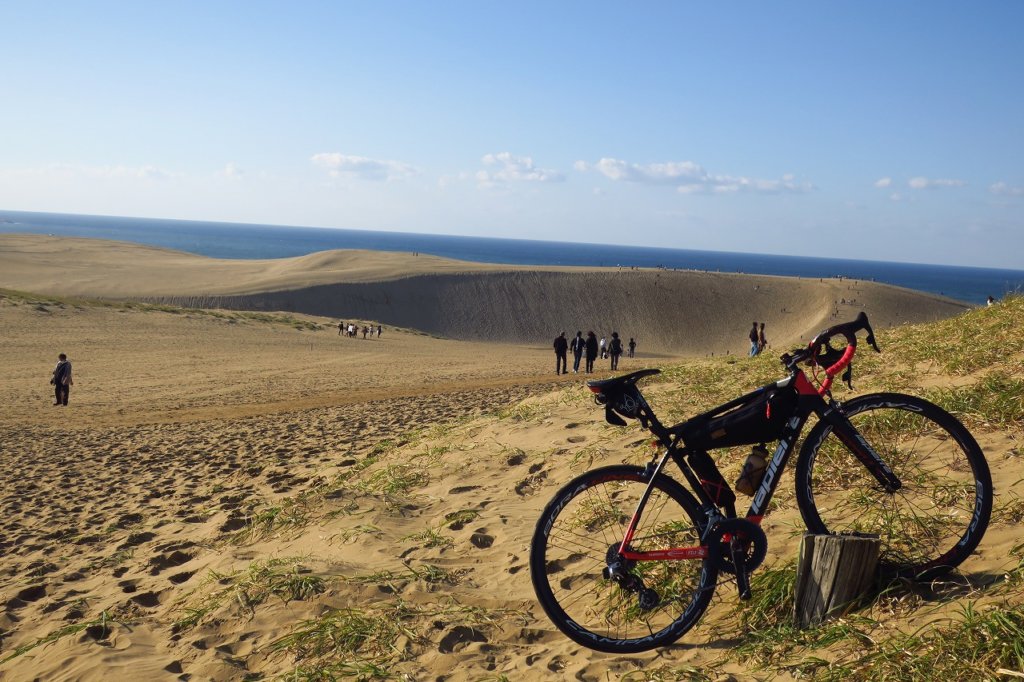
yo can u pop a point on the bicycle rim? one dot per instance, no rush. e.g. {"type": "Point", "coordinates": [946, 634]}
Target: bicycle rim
{"type": "Point", "coordinates": [935, 520]}
{"type": "Point", "coordinates": [581, 525]}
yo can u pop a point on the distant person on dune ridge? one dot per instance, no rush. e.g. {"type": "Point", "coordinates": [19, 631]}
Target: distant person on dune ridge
{"type": "Point", "coordinates": [632, 346]}
{"type": "Point", "coordinates": [341, 328]}
{"type": "Point", "coordinates": [615, 350]}
{"type": "Point", "coordinates": [561, 347]}
{"type": "Point", "coordinates": [591, 349]}
{"type": "Point", "coordinates": [379, 329]}
{"type": "Point", "coordinates": [62, 380]}
{"type": "Point", "coordinates": [577, 347]}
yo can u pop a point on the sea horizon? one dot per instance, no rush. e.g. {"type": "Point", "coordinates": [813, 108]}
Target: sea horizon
{"type": "Point", "coordinates": [970, 284]}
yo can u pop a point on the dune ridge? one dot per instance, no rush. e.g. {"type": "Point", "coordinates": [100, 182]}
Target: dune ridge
{"type": "Point", "coordinates": [669, 312]}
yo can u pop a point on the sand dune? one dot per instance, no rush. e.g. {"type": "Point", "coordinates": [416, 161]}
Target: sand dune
{"type": "Point", "coordinates": [669, 312]}
{"type": "Point", "coordinates": [210, 464]}
{"type": "Point", "coordinates": [221, 480]}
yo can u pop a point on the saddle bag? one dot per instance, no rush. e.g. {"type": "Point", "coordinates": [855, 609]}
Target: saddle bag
{"type": "Point", "coordinates": [761, 420]}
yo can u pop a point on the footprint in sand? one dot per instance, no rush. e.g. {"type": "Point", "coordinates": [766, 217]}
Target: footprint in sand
{"type": "Point", "coordinates": [480, 539]}
{"type": "Point", "coordinates": [147, 599]}
{"type": "Point", "coordinates": [459, 637]}
{"type": "Point", "coordinates": [164, 561]}
{"type": "Point", "coordinates": [515, 459]}
{"type": "Point", "coordinates": [179, 578]}
{"type": "Point", "coordinates": [31, 594]}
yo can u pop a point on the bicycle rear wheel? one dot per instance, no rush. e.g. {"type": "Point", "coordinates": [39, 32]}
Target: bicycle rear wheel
{"type": "Point", "coordinates": [580, 530]}
{"type": "Point", "coordinates": [935, 520]}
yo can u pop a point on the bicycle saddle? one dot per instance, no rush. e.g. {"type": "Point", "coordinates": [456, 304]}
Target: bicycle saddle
{"type": "Point", "coordinates": [620, 395]}
{"type": "Point", "coordinates": [615, 384]}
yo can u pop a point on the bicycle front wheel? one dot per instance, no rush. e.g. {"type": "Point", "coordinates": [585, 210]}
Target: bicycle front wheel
{"type": "Point", "coordinates": [581, 530]}
{"type": "Point", "coordinates": [938, 516]}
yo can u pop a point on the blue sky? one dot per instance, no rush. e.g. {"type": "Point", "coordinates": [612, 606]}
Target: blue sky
{"type": "Point", "coordinates": [876, 130]}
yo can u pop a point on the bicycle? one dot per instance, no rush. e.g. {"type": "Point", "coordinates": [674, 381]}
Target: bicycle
{"type": "Point", "coordinates": [625, 558]}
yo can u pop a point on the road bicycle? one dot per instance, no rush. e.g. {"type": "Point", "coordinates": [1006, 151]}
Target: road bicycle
{"type": "Point", "coordinates": [625, 558]}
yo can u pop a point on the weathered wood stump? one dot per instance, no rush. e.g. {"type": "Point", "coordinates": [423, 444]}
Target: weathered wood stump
{"type": "Point", "coordinates": [832, 573]}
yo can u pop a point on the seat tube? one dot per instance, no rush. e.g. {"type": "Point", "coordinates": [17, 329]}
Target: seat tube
{"type": "Point", "coordinates": [635, 521]}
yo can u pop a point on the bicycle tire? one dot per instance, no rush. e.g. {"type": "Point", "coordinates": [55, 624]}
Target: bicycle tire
{"type": "Point", "coordinates": [938, 517]}
{"type": "Point", "coordinates": [578, 529]}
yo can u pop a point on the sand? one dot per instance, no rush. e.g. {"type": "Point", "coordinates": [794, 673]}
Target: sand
{"type": "Point", "coordinates": [202, 447]}
{"type": "Point", "coordinates": [669, 312]}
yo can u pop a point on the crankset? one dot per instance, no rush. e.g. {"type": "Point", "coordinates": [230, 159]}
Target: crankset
{"type": "Point", "coordinates": [730, 538]}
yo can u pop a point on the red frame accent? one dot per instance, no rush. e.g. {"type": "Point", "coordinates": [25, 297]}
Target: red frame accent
{"type": "Point", "coordinates": [672, 553]}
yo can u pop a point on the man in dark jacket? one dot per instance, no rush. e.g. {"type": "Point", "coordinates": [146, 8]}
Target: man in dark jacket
{"type": "Point", "coordinates": [591, 351]}
{"type": "Point", "coordinates": [615, 350]}
{"type": "Point", "coordinates": [577, 347]}
{"type": "Point", "coordinates": [561, 346]}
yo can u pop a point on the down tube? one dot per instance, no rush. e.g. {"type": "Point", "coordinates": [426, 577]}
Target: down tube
{"type": "Point", "coordinates": [763, 496]}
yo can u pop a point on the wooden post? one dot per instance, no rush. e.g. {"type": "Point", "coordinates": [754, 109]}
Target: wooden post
{"type": "Point", "coordinates": [832, 573]}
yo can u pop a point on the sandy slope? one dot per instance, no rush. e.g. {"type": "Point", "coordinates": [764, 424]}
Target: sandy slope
{"type": "Point", "coordinates": [186, 429]}
{"type": "Point", "coordinates": [405, 473]}
{"type": "Point", "coordinates": [677, 313]}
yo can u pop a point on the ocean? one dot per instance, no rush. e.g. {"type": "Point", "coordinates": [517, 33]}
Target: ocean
{"type": "Point", "coordinates": [236, 240]}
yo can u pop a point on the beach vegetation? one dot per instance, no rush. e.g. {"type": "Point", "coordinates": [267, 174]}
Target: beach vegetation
{"type": "Point", "coordinates": [431, 538]}
{"type": "Point", "coordinates": [394, 481]}
{"type": "Point", "coordinates": [979, 339]}
{"type": "Point", "coordinates": [98, 629]}
{"type": "Point", "coordinates": [457, 520]}
{"type": "Point", "coordinates": [285, 578]}
{"type": "Point", "coordinates": [368, 643]}
{"type": "Point", "coordinates": [995, 399]}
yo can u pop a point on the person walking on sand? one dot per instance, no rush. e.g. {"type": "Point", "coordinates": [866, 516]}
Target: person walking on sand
{"type": "Point", "coordinates": [561, 346]}
{"type": "Point", "coordinates": [577, 347]}
{"type": "Point", "coordinates": [364, 332]}
{"type": "Point", "coordinates": [591, 349]}
{"type": "Point", "coordinates": [341, 328]}
{"type": "Point", "coordinates": [753, 340]}
{"type": "Point", "coordinates": [62, 380]}
{"type": "Point", "coordinates": [378, 331]}
{"type": "Point", "coordinates": [604, 348]}
{"type": "Point", "coordinates": [762, 342]}
{"type": "Point", "coordinates": [615, 350]}
{"type": "Point", "coordinates": [632, 346]}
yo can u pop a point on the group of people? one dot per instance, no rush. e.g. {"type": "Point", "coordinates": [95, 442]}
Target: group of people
{"type": "Point", "coordinates": [588, 349]}
{"type": "Point", "coordinates": [352, 329]}
{"type": "Point", "coordinates": [757, 341]}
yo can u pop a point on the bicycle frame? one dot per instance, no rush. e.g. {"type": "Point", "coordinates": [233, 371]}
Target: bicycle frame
{"type": "Point", "coordinates": [810, 401]}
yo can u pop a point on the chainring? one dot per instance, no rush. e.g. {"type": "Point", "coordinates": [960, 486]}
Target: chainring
{"type": "Point", "coordinates": [752, 539]}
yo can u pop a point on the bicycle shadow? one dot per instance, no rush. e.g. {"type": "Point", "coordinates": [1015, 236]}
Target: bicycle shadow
{"type": "Point", "coordinates": [941, 590]}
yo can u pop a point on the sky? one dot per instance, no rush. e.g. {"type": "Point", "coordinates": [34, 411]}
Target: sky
{"type": "Point", "coordinates": [870, 130]}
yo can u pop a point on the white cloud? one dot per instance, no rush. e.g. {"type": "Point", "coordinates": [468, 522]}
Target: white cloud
{"type": "Point", "coordinates": [232, 171]}
{"type": "Point", "coordinates": [509, 168]}
{"type": "Point", "coordinates": [339, 165]}
{"type": "Point", "coordinates": [882, 183]}
{"type": "Point", "coordinates": [927, 183]}
{"type": "Point", "coordinates": [67, 170]}
{"type": "Point", "coordinates": [691, 178]}
{"type": "Point", "coordinates": [1003, 189]}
